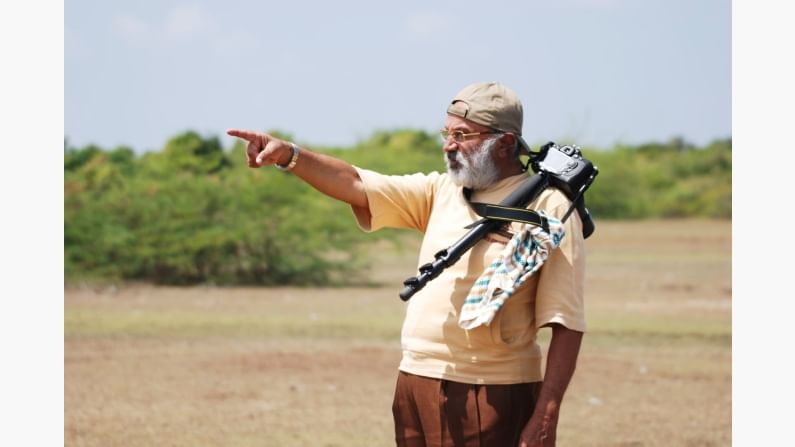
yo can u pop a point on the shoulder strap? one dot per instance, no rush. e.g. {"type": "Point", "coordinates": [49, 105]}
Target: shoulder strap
{"type": "Point", "coordinates": [505, 213]}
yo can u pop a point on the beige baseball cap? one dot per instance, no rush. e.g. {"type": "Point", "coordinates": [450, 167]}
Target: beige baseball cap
{"type": "Point", "coordinates": [492, 105]}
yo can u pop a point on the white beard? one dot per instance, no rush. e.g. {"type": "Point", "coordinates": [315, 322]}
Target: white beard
{"type": "Point", "coordinates": [479, 172]}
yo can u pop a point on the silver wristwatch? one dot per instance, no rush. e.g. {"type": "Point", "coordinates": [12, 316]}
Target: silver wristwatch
{"type": "Point", "coordinates": [293, 159]}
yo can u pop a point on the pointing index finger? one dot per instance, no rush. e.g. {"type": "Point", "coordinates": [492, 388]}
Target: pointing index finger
{"type": "Point", "coordinates": [244, 134]}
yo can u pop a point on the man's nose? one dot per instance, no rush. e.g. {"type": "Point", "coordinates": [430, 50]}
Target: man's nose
{"type": "Point", "coordinates": [450, 145]}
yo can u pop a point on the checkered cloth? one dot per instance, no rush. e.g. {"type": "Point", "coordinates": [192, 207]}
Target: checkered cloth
{"type": "Point", "coordinates": [523, 256]}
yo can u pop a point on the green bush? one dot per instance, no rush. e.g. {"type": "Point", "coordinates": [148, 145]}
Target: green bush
{"type": "Point", "coordinates": [195, 213]}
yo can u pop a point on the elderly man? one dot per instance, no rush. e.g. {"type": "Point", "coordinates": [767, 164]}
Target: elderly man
{"type": "Point", "coordinates": [460, 385]}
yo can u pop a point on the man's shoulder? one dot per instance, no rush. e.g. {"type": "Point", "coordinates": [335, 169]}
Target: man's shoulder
{"type": "Point", "coordinates": [433, 176]}
{"type": "Point", "coordinates": [438, 181]}
{"type": "Point", "coordinates": [418, 177]}
{"type": "Point", "coordinates": [551, 198]}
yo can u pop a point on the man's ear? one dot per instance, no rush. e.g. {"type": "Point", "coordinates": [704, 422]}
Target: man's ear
{"type": "Point", "coordinates": [507, 146]}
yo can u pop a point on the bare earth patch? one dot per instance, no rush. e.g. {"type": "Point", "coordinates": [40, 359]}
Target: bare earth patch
{"type": "Point", "coordinates": [205, 366]}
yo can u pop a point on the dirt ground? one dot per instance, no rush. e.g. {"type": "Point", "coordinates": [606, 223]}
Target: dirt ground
{"type": "Point", "coordinates": [206, 366]}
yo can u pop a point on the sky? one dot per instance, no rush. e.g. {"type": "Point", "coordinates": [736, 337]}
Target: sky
{"type": "Point", "coordinates": [592, 72]}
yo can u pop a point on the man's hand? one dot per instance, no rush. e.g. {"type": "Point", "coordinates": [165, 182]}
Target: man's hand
{"type": "Point", "coordinates": [331, 176]}
{"type": "Point", "coordinates": [263, 149]}
{"type": "Point", "coordinates": [541, 428]}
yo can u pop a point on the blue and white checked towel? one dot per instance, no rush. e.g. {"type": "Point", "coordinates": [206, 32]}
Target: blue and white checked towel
{"type": "Point", "coordinates": [523, 256]}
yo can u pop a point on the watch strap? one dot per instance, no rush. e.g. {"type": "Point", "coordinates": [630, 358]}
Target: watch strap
{"type": "Point", "coordinates": [293, 159]}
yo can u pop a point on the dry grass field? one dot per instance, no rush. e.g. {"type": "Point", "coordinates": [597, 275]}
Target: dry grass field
{"type": "Point", "coordinates": [202, 366]}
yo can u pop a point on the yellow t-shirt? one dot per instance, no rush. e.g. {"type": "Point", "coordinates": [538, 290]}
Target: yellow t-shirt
{"type": "Point", "coordinates": [506, 351]}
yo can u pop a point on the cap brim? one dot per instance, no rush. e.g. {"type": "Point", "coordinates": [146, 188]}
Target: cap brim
{"type": "Point", "coordinates": [525, 148]}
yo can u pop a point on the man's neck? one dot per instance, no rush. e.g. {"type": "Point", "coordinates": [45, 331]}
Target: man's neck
{"type": "Point", "coordinates": [511, 169]}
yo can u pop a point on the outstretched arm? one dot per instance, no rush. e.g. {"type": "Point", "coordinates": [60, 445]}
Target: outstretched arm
{"type": "Point", "coordinates": [329, 175]}
{"type": "Point", "coordinates": [564, 347]}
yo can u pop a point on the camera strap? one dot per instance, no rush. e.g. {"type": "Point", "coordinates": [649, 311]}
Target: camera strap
{"type": "Point", "coordinates": [504, 213]}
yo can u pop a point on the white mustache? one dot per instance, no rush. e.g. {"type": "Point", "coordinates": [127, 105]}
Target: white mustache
{"type": "Point", "coordinates": [476, 172]}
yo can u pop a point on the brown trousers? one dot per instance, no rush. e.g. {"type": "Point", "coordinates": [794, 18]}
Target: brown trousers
{"type": "Point", "coordinates": [440, 413]}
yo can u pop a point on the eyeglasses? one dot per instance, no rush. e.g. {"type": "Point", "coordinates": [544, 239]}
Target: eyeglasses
{"type": "Point", "coordinates": [459, 136]}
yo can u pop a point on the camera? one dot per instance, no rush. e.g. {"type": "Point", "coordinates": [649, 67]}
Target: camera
{"type": "Point", "coordinates": [568, 171]}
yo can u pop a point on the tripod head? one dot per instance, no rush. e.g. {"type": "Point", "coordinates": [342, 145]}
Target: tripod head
{"type": "Point", "coordinates": [570, 172]}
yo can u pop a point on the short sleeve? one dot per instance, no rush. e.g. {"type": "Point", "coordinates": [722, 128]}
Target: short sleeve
{"type": "Point", "coordinates": [561, 283]}
{"type": "Point", "coordinates": [397, 201]}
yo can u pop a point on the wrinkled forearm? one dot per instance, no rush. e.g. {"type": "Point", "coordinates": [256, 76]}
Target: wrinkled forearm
{"type": "Point", "coordinates": [331, 176]}
{"type": "Point", "coordinates": [541, 429]}
{"type": "Point", "coordinates": [564, 347]}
